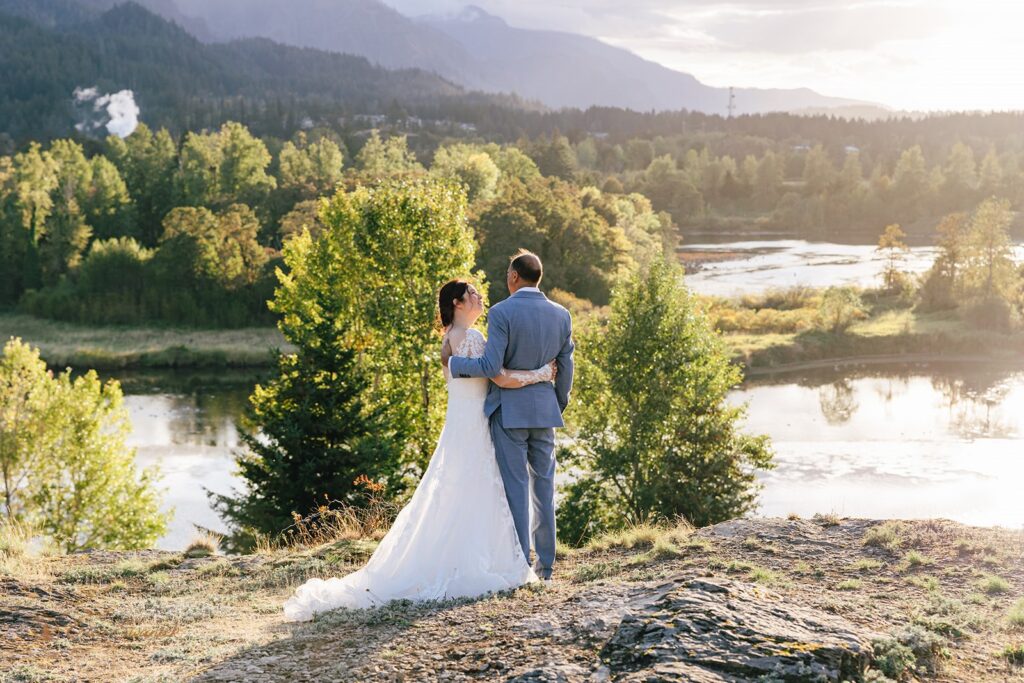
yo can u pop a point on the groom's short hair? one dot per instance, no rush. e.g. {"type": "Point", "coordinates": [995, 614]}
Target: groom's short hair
{"type": "Point", "coordinates": [528, 265]}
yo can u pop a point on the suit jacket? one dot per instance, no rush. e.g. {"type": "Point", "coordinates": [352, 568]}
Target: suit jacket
{"type": "Point", "coordinates": [525, 332]}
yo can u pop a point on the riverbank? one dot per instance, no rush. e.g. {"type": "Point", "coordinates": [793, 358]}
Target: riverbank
{"type": "Point", "coordinates": [758, 599]}
{"type": "Point", "coordinates": [894, 335]}
{"type": "Point", "coordinates": [109, 348]}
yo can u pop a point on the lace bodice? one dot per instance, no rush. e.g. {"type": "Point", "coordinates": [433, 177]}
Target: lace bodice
{"type": "Point", "coordinates": [472, 346]}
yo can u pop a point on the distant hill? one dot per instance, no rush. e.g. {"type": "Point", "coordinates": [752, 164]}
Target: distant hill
{"type": "Point", "coordinates": [569, 70]}
{"type": "Point", "coordinates": [178, 81]}
{"type": "Point", "coordinates": [481, 51]}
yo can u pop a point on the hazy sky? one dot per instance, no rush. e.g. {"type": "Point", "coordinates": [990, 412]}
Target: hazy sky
{"type": "Point", "coordinates": [910, 54]}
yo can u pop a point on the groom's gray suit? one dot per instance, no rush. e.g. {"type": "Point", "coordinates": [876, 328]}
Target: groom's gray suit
{"type": "Point", "coordinates": [524, 332]}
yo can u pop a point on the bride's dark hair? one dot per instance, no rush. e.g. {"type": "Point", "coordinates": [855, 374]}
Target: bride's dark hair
{"type": "Point", "coordinates": [450, 292]}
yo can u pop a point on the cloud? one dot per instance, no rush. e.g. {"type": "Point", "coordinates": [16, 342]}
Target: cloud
{"type": "Point", "coordinates": [851, 27]}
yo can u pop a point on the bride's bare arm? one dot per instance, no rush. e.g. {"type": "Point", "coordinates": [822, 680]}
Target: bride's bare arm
{"type": "Point", "coordinates": [516, 379]}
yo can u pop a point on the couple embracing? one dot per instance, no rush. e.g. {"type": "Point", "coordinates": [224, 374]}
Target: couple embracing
{"type": "Point", "coordinates": [467, 529]}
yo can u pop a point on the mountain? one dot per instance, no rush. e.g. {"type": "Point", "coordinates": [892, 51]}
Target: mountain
{"type": "Point", "coordinates": [570, 70]}
{"type": "Point", "coordinates": [481, 51]}
{"type": "Point", "coordinates": [367, 28]}
{"type": "Point", "coordinates": [179, 81]}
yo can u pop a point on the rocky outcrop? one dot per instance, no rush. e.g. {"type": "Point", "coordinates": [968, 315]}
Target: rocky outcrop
{"type": "Point", "coordinates": [723, 630]}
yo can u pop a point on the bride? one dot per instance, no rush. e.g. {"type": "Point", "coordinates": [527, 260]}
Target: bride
{"type": "Point", "coordinates": [456, 537]}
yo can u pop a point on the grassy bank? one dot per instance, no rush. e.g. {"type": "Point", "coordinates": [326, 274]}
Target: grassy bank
{"type": "Point", "coordinates": [949, 594]}
{"type": "Point", "coordinates": [79, 346]}
{"type": "Point", "coordinates": [890, 332]}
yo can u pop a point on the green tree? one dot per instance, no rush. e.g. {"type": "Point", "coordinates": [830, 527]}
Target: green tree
{"type": "Point", "coordinates": [989, 268]}
{"type": "Point", "coordinates": [839, 308]}
{"type": "Point", "coordinates": [940, 288]}
{"type": "Point", "coordinates": [768, 187]}
{"type": "Point", "coordinates": [107, 205]}
{"type": "Point", "coordinates": [960, 176]}
{"type": "Point", "coordinates": [657, 436]}
{"type": "Point", "coordinates": [895, 251]}
{"type": "Point", "coordinates": [381, 158]}
{"type": "Point", "coordinates": [224, 167]}
{"type": "Point", "coordinates": [148, 164]}
{"type": "Point", "coordinates": [583, 254]}
{"type": "Point", "coordinates": [819, 172]}
{"type": "Point", "coordinates": [312, 167]}
{"type": "Point", "coordinates": [66, 467]}
{"type": "Point", "coordinates": [377, 266]}
{"type": "Point", "coordinates": [911, 183]}
{"type": "Point", "coordinates": [310, 435]}
{"type": "Point", "coordinates": [220, 247]}
{"type": "Point", "coordinates": [469, 166]}
{"type": "Point", "coordinates": [555, 158]}
{"type": "Point", "coordinates": [25, 427]}
{"type": "Point", "coordinates": [88, 493]}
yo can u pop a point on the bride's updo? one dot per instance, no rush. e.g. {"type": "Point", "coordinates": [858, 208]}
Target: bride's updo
{"type": "Point", "coordinates": [446, 298]}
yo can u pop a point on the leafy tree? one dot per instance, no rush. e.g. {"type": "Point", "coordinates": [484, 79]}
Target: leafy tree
{"type": "Point", "coordinates": [381, 158]}
{"type": "Point", "coordinates": [639, 154]}
{"type": "Point", "coordinates": [377, 266]}
{"type": "Point", "coordinates": [556, 158]}
{"type": "Point", "coordinates": [66, 468]}
{"type": "Point", "coordinates": [469, 166]}
{"type": "Point", "coordinates": [819, 172]}
{"type": "Point", "coordinates": [989, 268]}
{"type": "Point", "coordinates": [220, 247]}
{"type": "Point", "coordinates": [224, 167]}
{"type": "Point", "coordinates": [107, 205]}
{"type": "Point", "coordinates": [960, 176]}
{"type": "Point", "coordinates": [840, 307]}
{"type": "Point", "coordinates": [657, 437]}
{"type": "Point", "coordinates": [911, 183]}
{"type": "Point", "coordinates": [767, 189]}
{"type": "Point", "coordinates": [312, 167]}
{"type": "Point", "coordinates": [513, 163]}
{"type": "Point", "coordinates": [895, 250]}
{"type": "Point", "coordinates": [25, 397]}
{"type": "Point", "coordinates": [585, 255]}
{"type": "Point", "coordinates": [941, 286]}
{"type": "Point", "coordinates": [148, 163]}
{"type": "Point", "coordinates": [87, 493]}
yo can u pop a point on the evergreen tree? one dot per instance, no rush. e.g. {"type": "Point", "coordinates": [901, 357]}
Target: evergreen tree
{"type": "Point", "coordinates": [309, 435]}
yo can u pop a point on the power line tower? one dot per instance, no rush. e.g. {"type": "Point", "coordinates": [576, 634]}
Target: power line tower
{"type": "Point", "coordinates": [732, 101]}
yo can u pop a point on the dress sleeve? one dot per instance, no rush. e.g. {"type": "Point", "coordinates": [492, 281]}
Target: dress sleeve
{"type": "Point", "coordinates": [542, 374]}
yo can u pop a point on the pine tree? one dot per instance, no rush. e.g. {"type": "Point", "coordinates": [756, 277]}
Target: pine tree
{"type": "Point", "coordinates": [310, 435]}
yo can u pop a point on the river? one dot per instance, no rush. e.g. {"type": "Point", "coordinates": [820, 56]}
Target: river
{"type": "Point", "coordinates": [894, 441]}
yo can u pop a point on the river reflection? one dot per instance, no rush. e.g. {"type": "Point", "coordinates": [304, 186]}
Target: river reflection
{"type": "Point", "coordinates": [887, 441]}
{"type": "Point", "coordinates": [910, 442]}
{"type": "Point", "coordinates": [189, 429]}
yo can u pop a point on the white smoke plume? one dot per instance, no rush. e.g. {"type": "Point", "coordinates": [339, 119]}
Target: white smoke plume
{"type": "Point", "coordinates": [117, 112]}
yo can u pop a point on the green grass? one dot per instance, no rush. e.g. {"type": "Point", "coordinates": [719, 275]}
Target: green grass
{"type": "Point", "coordinates": [66, 344]}
{"type": "Point", "coordinates": [994, 585]}
{"type": "Point", "coordinates": [866, 565]}
{"type": "Point", "coordinates": [1015, 617]}
{"type": "Point", "coordinates": [595, 571]}
{"type": "Point", "coordinates": [849, 585]}
{"type": "Point", "coordinates": [886, 535]}
{"type": "Point", "coordinates": [1014, 655]}
{"type": "Point", "coordinates": [914, 560]}
{"type": "Point", "coordinates": [929, 583]}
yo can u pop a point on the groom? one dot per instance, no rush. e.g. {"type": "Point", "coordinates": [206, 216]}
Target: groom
{"type": "Point", "coordinates": [525, 332]}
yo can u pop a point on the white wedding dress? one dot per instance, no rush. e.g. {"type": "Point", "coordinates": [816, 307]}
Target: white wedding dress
{"type": "Point", "coordinates": [456, 537]}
